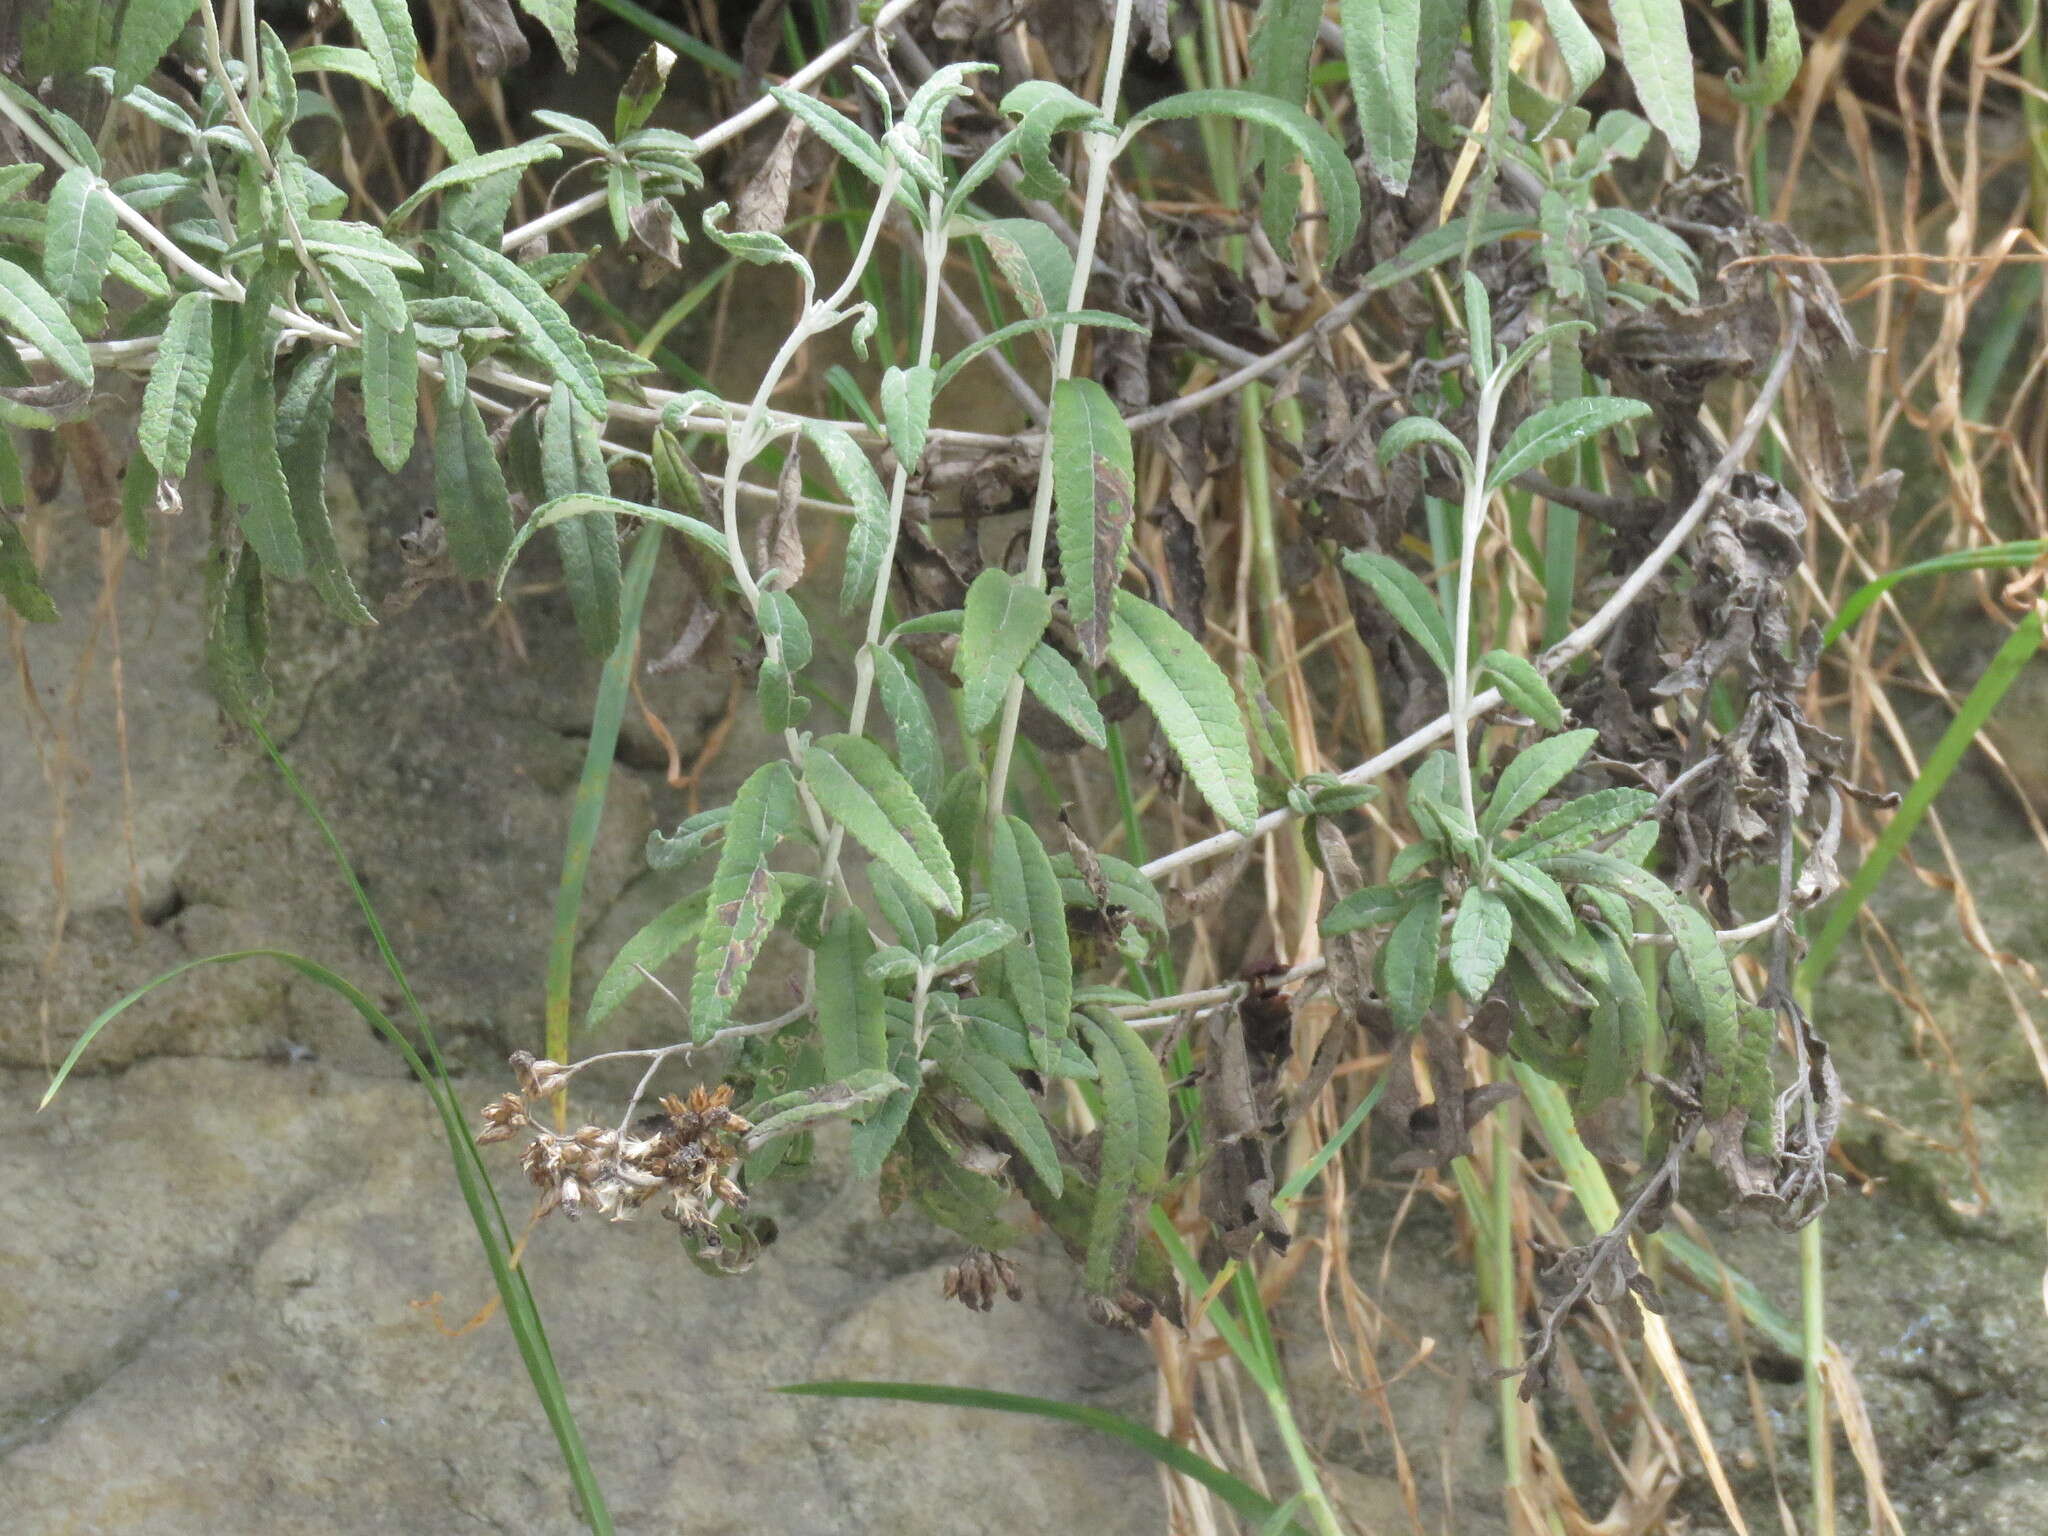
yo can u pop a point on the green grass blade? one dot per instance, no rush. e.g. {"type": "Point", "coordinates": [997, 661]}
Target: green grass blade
{"type": "Point", "coordinates": [668, 32]}
{"type": "Point", "coordinates": [521, 1312]}
{"type": "Point", "coordinates": [2019, 648]}
{"type": "Point", "coordinates": [588, 809]}
{"type": "Point", "coordinates": [1991, 557]}
{"type": "Point", "coordinates": [1240, 1496]}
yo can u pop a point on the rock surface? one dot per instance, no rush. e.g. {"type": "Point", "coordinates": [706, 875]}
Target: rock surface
{"type": "Point", "coordinates": [219, 1246]}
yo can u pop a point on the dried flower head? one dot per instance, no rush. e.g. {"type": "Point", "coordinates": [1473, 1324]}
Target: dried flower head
{"type": "Point", "coordinates": [976, 1279]}
{"type": "Point", "coordinates": [685, 1154]}
{"type": "Point", "coordinates": [539, 1078]}
{"type": "Point", "coordinates": [502, 1116]}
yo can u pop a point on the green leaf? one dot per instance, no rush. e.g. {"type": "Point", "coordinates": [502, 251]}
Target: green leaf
{"type": "Point", "coordinates": [391, 389]}
{"type": "Point", "coordinates": [907, 915]}
{"type": "Point", "coordinates": [851, 142]}
{"type": "Point", "coordinates": [907, 408]}
{"type": "Point", "coordinates": [238, 639]}
{"type": "Point", "coordinates": [1779, 65]}
{"type": "Point", "coordinates": [875, 1136]}
{"type": "Point", "coordinates": [78, 239]}
{"type": "Point", "coordinates": [1480, 935]}
{"type": "Point", "coordinates": [1658, 58]}
{"type": "Point", "coordinates": [852, 1029]}
{"type": "Point", "coordinates": [429, 108]}
{"type": "Point", "coordinates": [1025, 891]}
{"type": "Point", "coordinates": [305, 421]}
{"type": "Point", "coordinates": [995, 1026]}
{"type": "Point", "coordinates": [1479, 326]}
{"type": "Point", "coordinates": [1094, 486]}
{"type": "Point", "coordinates": [1412, 431]}
{"type": "Point", "coordinates": [1057, 684]}
{"type": "Point", "coordinates": [1699, 965]}
{"type": "Point", "coordinates": [869, 539]}
{"type": "Point", "coordinates": [1619, 1029]}
{"type": "Point", "coordinates": [856, 785]}
{"type": "Point", "coordinates": [1412, 604]}
{"type": "Point", "coordinates": [1582, 821]}
{"type": "Point", "coordinates": [1046, 327]}
{"type": "Point", "coordinates": [1382, 45]}
{"type": "Point", "coordinates": [664, 934]}
{"type": "Point", "coordinates": [1043, 108]}
{"type": "Point", "coordinates": [1191, 699]}
{"type": "Point", "coordinates": [1583, 56]}
{"type": "Point", "coordinates": [743, 899]}
{"type": "Point", "coordinates": [917, 734]}
{"type": "Point", "coordinates": [20, 583]}
{"type": "Point", "coordinates": [681, 848]}
{"type": "Point", "coordinates": [1538, 889]}
{"type": "Point", "coordinates": [527, 311]}
{"type": "Point", "coordinates": [1434, 247]}
{"type": "Point", "coordinates": [462, 173]}
{"type": "Point", "coordinates": [1410, 958]}
{"type": "Point", "coordinates": [469, 483]}
{"type": "Point", "coordinates": [995, 1090]}
{"type": "Point", "coordinates": [561, 508]}
{"type": "Point", "coordinates": [148, 28]}
{"type": "Point", "coordinates": [30, 312]}
{"type": "Point", "coordinates": [1991, 556]}
{"type": "Point", "coordinates": [1524, 688]}
{"type": "Point", "coordinates": [1324, 157]}
{"type": "Point", "coordinates": [1128, 887]}
{"type": "Point", "coordinates": [1034, 261]}
{"type": "Point", "coordinates": [384, 27]}
{"type": "Point", "coordinates": [1533, 775]}
{"type": "Point", "coordinates": [972, 943]}
{"type": "Point", "coordinates": [788, 1113]}
{"type": "Point", "coordinates": [1663, 250]}
{"type": "Point", "coordinates": [1557, 429]}
{"type": "Point", "coordinates": [251, 472]}
{"type": "Point", "coordinates": [1280, 50]}
{"type": "Point", "coordinates": [1135, 1122]}
{"type": "Point", "coordinates": [1005, 617]}
{"type": "Point", "coordinates": [573, 465]}
{"type": "Point", "coordinates": [177, 385]}
{"type": "Point", "coordinates": [559, 17]}
{"type": "Point", "coordinates": [1367, 908]}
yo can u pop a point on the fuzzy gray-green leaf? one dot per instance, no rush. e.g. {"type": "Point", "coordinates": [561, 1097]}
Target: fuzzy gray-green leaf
{"type": "Point", "coordinates": [527, 311]}
{"type": "Point", "coordinates": [917, 734]}
{"type": "Point", "coordinates": [1480, 935]}
{"type": "Point", "coordinates": [1192, 701]}
{"type": "Point", "coordinates": [1135, 1122]}
{"type": "Point", "coordinates": [852, 1028]}
{"type": "Point", "coordinates": [1658, 58]}
{"type": "Point", "coordinates": [1557, 429]}
{"type": "Point", "coordinates": [743, 899]}
{"type": "Point", "coordinates": [1533, 775]}
{"type": "Point", "coordinates": [251, 472]}
{"type": "Point", "coordinates": [78, 239]}
{"type": "Point", "coordinates": [668, 931]}
{"type": "Point", "coordinates": [1382, 44]}
{"type": "Point", "coordinates": [1524, 688]}
{"type": "Point", "coordinates": [177, 385]}
{"type": "Point", "coordinates": [27, 309]}
{"type": "Point", "coordinates": [1039, 973]}
{"type": "Point", "coordinates": [1005, 617]}
{"type": "Point", "coordinates": [1404, 596]}
{"type": "Point", "coordinates": [995, 1090]}
{"type": "Point", "coordinates": [1093, 488]}
{"type": "Point", "coordinates": [856, 785]}
{"type": "Point", "coordinates": [1410, 959]}
{"type": "Point", "coordinates": [867, 541]}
